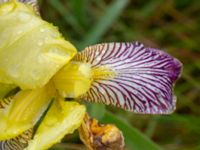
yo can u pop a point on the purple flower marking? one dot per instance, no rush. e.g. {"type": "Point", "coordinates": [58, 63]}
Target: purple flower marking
{"type": "Point", "coordinates": [144, 77]}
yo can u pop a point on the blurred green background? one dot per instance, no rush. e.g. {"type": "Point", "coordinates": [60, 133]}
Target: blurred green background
{"type": "Point", "coordinates": [171, 25]}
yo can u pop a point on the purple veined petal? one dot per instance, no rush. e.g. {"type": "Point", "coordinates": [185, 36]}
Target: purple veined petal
{"type": "Point", "coordinates": [143, 81]}
{"type": "Point", "coordinates": [19, 142]}
{"type": "Point", "coordinates": [33, 3]}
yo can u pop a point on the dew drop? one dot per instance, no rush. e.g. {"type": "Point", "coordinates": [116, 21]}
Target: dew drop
{"type": "Point", "coordinates": [126, 60]}
{"type": "Point", "coordinates": [98, 58]}
{"type": "Point", "coordinates": [34, 75]}
{"type": "Point", "coordinates": [19, 32]}
{"type": "Point", "coordinates": [57, 51]}
{"type": "Point", "coordinates": [68, 95]}
{"type": "Point", "coordinates": [135, 92]}
{"type": "Point", "coordinates": [42, 30]}
{"type": "Point", "coordinates": [55, 35]}
{"type": "Point", "coordinates": [40, 43]}
{"type": "Point", "coordinates": [103, 51]}
{"type": "Point", "coordinates": [24, 17]}
{"type": "Point", "coordinates": [97, 53]}
{"type": "Point", "coordinates": [13, 71]}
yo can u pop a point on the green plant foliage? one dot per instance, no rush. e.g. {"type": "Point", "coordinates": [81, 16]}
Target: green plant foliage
{"type": "Point", "coordinates": [133, 138]}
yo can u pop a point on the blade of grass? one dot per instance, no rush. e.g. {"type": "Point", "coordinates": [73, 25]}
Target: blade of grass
{"type": "Point", "coordinates": [151, 127]}
{"type": "Point", "coordinates": [68, 146]}
{"type": "Point", "coordinates": [134, 139]}
{"type": "Point", "coordinates": [66, 15]}
{"type": "Point", "coordinates": [111, 14]}
{"type": "Point", "coordinates": [96, 110]}
{"type": "Point", "coordinates": [191, 80]}
{"type": "Point", "coordinates": [191, 122]}
{"type": "Point", "coordinates": [79, 10]}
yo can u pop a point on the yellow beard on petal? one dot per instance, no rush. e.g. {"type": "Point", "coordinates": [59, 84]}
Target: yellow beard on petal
{"type": "Point", "coordinates": [102, 72]}
{"type": "Point", "coordinates": [73, 80]}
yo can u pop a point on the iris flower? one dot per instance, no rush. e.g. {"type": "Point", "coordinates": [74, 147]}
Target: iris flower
{"type": "Point", "coordinates": [40, 71]}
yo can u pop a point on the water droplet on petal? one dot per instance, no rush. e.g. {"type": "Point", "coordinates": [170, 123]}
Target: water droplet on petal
{"type": "Point", "coordinates": [42, 30]}
{"type": "Point", "coordinates": [55, 35]}
{"type": "Point", "coordinates": [126, 60]}
{"type": "Point", "coordinates": [19, 32]}
{"type": "Point", "coordinates": [135, 92]}
{"type": "Point", "coordinates": [34, 74]}
{"type": "Point", "coordinates": [98, 58]}
{"type": "Point", "coordinates": [40, 43]}
{"type": "Point", "coordinates": [97, 53]}
{"type": "Point", "coordinates": [24, 17]}
{"type": "Point", "coordinates": [13, 71]}
{"type": "Point", "coordinates": [57, 51]}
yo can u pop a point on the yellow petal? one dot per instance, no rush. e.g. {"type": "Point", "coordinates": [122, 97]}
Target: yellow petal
{"type": "Point", "coordinates": [31, 3]}
{"type": "Point", "coordinates": [62, 118]}
{"type": "Point", "coordinates": [31, 50]}
{"type": "Point", "coordinates": [23, 111]}
{"type": "Point", "coordinates": [73, 80]}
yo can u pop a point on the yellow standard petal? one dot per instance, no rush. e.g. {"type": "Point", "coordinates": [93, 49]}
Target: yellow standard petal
{"type": "Point", "coordinates": [62, 118]}
{"type": "Point", "coordinates": [21, 112]}
{"type": "Point", "coordinates": [31, 49]}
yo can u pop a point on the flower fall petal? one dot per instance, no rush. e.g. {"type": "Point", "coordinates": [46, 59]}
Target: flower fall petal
{"type": "Point", "coordinates": [18, 143]}
{"type": "Point", "coordinates": [131, 76]}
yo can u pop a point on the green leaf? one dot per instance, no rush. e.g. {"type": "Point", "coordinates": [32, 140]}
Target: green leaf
{"type": "Point", "coordinates": [97, 110]}
{"type": "Point", "coordinates": [66, 15]}
{"type": "Point", "coordinates": [104, 23]}
{"type": "Point", "coordinates": [191, 122]}
{"type": "Point", "coordinates": [134, 139]}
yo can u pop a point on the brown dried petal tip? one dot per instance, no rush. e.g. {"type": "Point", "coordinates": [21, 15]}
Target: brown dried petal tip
{"type": "Point", "coordinates": [99, 136]}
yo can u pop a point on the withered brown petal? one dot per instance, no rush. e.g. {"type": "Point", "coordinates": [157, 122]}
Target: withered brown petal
{"type": "Point", "coordinates": [98, 136]}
